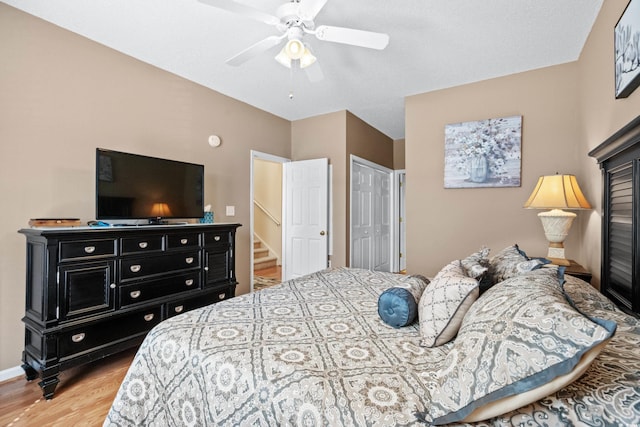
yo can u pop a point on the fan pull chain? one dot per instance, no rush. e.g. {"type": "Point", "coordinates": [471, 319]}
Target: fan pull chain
{"type": "Point", "coordinates": [291, 80]}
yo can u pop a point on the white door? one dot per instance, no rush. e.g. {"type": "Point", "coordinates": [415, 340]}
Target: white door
{"type": "Point", "coordinates": [371, 208]}
{"type": "Point", "coordinates": [382, 221]}
{"type": "Point", "coordinates": [362, 230]}
{"type": "Point", "coordinates": [305, 217]}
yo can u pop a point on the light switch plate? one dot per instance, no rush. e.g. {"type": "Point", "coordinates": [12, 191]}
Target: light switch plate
{"type": "Point", "coordinates": [231, 210]}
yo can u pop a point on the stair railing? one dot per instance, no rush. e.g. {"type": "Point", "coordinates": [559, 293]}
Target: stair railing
{"type": "Point", "coordinates": [266, 211]}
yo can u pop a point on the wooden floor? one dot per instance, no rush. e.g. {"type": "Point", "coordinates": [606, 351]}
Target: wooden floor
{"type": "Point", "coordinates": [270, 273]}
{"type": "Point", "coordinates": [82, 398]}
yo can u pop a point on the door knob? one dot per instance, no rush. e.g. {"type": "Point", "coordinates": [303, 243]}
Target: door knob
{"type": "Point", "coordinates": [322, 233]}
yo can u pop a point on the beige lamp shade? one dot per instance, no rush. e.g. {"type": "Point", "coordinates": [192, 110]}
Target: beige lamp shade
{"type": "Point", "coordinates": [557, 192]}
{"type": "Point", "coordinates": [160, 210]}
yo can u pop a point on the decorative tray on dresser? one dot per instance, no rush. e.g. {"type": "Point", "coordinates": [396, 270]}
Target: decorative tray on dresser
{"type": "Point", "coordinates": [93, 292]}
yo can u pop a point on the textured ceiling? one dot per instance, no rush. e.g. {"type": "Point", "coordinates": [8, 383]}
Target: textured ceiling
{"type": "Point", "coordinates": [434, 44]}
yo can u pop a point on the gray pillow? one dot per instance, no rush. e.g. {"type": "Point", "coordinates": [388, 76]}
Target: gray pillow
{"type": "Point", "coordinates": [519, 337]}
{"type": "Point", "coordinates": [510, 262]}
{"type": "Point", "coordinates": [444, 303]}
{"type": "Point", "coordinates": [476, 265]}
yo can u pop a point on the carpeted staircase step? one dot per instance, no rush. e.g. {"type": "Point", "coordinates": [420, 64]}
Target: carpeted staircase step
{"type": "Point", "coordinates": [264, 262]}
{"type": "Point", "coordinates": [260, 253]}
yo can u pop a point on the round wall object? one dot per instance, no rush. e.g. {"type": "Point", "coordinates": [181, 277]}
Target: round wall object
{"type": "Point", "coordinates": [214, 141]}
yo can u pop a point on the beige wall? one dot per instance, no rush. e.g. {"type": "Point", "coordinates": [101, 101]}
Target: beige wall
{"type": "Point", "coordinates": [398, 154]}
{"type": "Point", "coordinates": [446, 224]}
{"type": "Point", "coordinates": [61, 97]}
{"type": "Point", "coordinates": [366, 142]}
{"type": "Point", "coordinates": [567, 111]}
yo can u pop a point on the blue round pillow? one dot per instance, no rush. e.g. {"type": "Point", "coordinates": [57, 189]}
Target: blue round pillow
{"type": "Point", "coordinates": [397, 307]}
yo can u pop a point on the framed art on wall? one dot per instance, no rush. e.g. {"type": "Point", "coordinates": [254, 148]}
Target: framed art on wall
{"type": "Point", "coordinates": [627, 50]}
{"type": "Point", "coordinates": [483, 153]}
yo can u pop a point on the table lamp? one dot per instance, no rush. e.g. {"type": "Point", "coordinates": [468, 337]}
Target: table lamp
{"type": "Point", "coordinates": [557, 192]}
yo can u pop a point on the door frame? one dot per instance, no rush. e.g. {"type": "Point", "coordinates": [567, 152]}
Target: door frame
{"type": "Point", "coordinates": [393, 214]}
{"type": "Point", "coordinates": [257, 155]}
{"type": "Point", "coordinates": [400, 220]}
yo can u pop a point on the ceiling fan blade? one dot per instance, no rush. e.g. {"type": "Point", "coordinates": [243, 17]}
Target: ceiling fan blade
{"type": "Point", "coordinates": [240, 9]}
{"type": "Point", "coordinates": [314, 72]}
{"type": "Point", "coordinates": [353, 37]}
{"type": "Point", "coordinates": [255, 50]}
{"type": "Point", "coordinates": [310, 8]}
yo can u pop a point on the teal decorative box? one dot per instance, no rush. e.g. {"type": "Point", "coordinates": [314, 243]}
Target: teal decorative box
{"type": "Point", "coordinates": [207, 219]}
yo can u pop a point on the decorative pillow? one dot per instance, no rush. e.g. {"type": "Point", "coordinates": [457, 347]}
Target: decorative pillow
{"type": "Point", "coordinates": [510, 262]}
{"type": "Point", "coordinates": [476, 265]}
{"type": "Point", "coordinates": [398, 306]}
{"type": "Point", "coordinates": [444, 303]}
{"type": "Point", "coordinates": [522, 340]}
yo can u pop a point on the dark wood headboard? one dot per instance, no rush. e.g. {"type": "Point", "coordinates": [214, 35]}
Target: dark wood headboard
{"type": "Point", "coordinates": [619, 159]}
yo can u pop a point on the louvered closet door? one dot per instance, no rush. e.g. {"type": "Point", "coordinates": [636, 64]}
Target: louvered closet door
{"type": "Point", "coordinates": [619, 256]}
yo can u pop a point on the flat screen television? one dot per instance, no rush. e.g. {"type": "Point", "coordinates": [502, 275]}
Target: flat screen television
{"type": "Point", "coordinates": [135, 187]}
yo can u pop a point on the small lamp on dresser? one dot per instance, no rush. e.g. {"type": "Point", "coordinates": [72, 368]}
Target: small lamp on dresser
{"type": "Point", "coordinates": [557, 192]}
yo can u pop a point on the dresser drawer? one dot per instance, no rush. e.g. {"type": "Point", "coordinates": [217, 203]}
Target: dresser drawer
{"type": "Point", "coordinates": [86, 249]}
{"type": "Point", "coordinates": [84, 338]}
{"type": "Point", "coordinates": [136, 293]}
{"type": "Point", "coordinates": [178, 307]}
{"type": "Point", "coordinates": [134, 268]}
{"type": "Point", "coordinates": [140, 244]}
{"type": "Point", "coordinates": [186, 240]}
{"type": "Point", "coordinates": [220, 238]}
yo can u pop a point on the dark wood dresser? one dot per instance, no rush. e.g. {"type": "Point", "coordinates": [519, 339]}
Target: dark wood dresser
{"type": "Point", "coordinates": [93, 292]}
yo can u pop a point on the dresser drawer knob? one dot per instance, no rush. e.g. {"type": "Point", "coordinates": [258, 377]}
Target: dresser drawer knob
{"type": "Point", "coordinates": [77, 337]}
{"type": "Point", "coordinates": [179, 309]}
{"type": "Point", "coordinates": [188, 282]}
{"type": "Point", "coordinates": [216, 238]}
{"type": "Point", "coordinates": [135, 294]}
{"type": "Point", "coordinates": [112, 286]}
{"type": "Point", "coordinates": [143, 245]}
{"type": "Point", "coordinates": [222, 296]}
{"type": "Point", "coordinates": [206, 269]}
{"type": "Point", "coordinates": [189, 260]}
{"type": "Point", "coordinates": [89, 249]}
{"type": "Point", "coordinates": [135, 268]}
{"type": "Point", "coordinates": [184, 241]}
{"type": "Point", "coordinates": [148, 317]}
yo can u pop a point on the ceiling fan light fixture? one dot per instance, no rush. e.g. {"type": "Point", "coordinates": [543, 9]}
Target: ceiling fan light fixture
{"type": "Point", "coordinates": [283, 58]}
{"type": "Point", "coordinates": [294, 49]}
{"type": "Point", "coordinates": [307, 58]}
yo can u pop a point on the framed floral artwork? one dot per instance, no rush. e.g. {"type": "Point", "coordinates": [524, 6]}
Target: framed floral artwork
{"type": "Point", "coordinates": [627, 50]}
{"type": "Point", "coordinates": [484, 153]}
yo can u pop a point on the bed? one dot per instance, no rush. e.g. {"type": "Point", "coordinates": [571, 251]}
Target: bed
{"type": "Point", "coordinates": [316, 351]}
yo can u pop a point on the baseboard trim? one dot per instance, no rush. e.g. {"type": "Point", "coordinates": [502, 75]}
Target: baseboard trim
{"type": "Point", "coordinates": [11, 373]}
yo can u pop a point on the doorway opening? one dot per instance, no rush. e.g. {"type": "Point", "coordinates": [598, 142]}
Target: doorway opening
{"type": "Point", "coordinates": [266, 219]}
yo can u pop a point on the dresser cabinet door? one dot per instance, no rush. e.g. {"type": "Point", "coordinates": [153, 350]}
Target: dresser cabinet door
{"type": "Point", "coordinates": [86, 288]}
{"type": "Point", "coordinates": [217, 267]}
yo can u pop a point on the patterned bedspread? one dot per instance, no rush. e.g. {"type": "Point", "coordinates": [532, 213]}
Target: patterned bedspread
{"type": "Point", "coordinates": [313, 351]}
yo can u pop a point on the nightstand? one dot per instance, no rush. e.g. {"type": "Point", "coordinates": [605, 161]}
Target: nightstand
{"type": "Point", "coordinates": [576, 270]}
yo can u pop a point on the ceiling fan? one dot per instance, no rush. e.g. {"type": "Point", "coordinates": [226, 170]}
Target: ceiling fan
{"type": "Point", "coordinates": [294, 20]}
